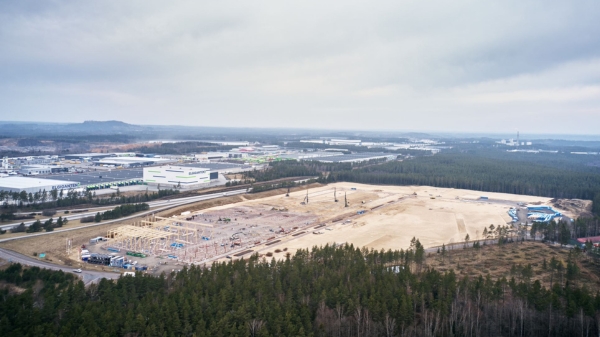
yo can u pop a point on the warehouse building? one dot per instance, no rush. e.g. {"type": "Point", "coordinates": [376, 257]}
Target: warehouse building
{"type": "Point", "coordinates": [310, 155]}
{"type": "Point", "coordinates": [356, 158]}
{"type": "Point", "coordinates": [33, 170]}
{"type": "Point", "coordinates": [185, 177]}
{"type": "Point", "coordinates": [87, 156]}
{"type": "Point", "coordinates": [131, 161]}
{"type": "Point", "coordinates": [32, 185]}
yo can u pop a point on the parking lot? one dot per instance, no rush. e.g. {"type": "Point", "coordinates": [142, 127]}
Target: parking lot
{"type": "Point", "coordinates": [98, 177]}
{"type": "Point", "coordinates": [217, 166]}
{"type": "Point", "coordinates": [102, 176]}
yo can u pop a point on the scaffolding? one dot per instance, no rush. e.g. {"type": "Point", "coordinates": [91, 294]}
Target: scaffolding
{"type": "Point", "coordinates": [174, 237]}
{"type": "Point", "coordinates": [140, 239]}
{"type": "Point", "coordinates": [184, 231]}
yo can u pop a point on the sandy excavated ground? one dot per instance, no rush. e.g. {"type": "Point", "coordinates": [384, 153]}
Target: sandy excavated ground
{"type": "Point", "coordinates": [394, 215]}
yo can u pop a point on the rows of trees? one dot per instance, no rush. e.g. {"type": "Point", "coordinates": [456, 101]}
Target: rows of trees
{"type": "Point", "coordinates": [555, 176]}
{"type": "Point", "coordinates": [283, 184]}
{"type": "Point", "coordinates": [181, 148]}
{"type": "Point", "coordinates": [48, 225]}
{"type": "Point", "coordinates": [294, 168]}
{"type": "Point", "coordinates": [121, 211]}
{"type": "Point", "coordinates": [55, 199]}
{"type": "Point", "coordinates": [326, 291]}
{"type": "Point", "coordinates": [466, 171]}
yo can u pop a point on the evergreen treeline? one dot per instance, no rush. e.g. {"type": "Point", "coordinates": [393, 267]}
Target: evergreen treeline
{"type": "Point", "coordinates": [566, 232]}
{"type": "Point", "coordinates": [457, 170]}
{"type": "Point", "coordinates": [294, 168]}
{"type": "Point", "coordinates": [54, 199]}
{"type": "Point", "coordinates": [181, 148]}
{"type": "Point", "coordinates": [121, 211]}
{"type": "Point", "coordinates": [324, 292]}
{"type": "Point", "coordinates": [284, 169]}
{"type": "Point", "coordinates": [283, 184]}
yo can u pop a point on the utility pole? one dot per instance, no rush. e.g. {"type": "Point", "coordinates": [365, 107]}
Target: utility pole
{"type": "Point", "coordinates": [335, 194]}
{"type": "Point", "coordinates": [345, 200]}
{"type": "Point", "coordinates": [288, 192]}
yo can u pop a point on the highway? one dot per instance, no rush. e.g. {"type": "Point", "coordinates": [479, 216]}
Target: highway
{"type": "Point", "coordinates": [154, 206]}
{"type": "Point", "coordinates": [88, 277]}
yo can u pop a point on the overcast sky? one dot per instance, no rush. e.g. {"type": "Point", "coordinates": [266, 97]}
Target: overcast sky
{"type": "Point", "coordinates": [481, 66]}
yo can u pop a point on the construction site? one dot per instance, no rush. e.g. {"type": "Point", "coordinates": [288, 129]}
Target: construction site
{"type": "Point", "coordinates": [379, 217]}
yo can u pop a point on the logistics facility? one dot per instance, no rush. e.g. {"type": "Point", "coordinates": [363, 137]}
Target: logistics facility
{"type": "Point", "coordinates": [131, 161]}
{"type": "Point", "coordinates": [355, 157]}
{"type": "Point", "coordinates": [32, 170]}
{"type": "Point", "coordinates": [177, 176]}
{"type": "Point", "coordinates": [87, 156]}
{"type": "Point", "coordinates": [32, 185]}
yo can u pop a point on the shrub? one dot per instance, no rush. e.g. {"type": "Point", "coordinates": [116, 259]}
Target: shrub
{"type": "Point", "coordinates": [48, 212]}
{"type": "Point", "coordinates": [18, 229]}
{"type": "Point", "coordinates": [89, 218]}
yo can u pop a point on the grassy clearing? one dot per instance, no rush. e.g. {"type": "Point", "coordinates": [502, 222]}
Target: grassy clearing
{"type": "Point", "coordinates": [498, 262]}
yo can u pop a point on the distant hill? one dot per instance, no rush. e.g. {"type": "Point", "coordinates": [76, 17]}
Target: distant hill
{"type": "Point", "coordinates": [35, 129]}
{"type": "Point", "coordinates": [106, 127]}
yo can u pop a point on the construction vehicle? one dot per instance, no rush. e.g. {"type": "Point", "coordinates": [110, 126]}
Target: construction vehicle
{"type": "Point", "coordinates": [305, 201]}
{"type": "Point", "coordinates": [235, 236]}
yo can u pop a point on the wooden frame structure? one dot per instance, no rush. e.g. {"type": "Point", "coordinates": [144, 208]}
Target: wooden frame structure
{"type": "Point", "coordinates": [182, 234]}
{"type": "Point", "coordinates": [140, 239]}
{"type": "Point", "coordinates": [156, 235]}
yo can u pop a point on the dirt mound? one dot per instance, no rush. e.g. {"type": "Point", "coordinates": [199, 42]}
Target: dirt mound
{"type": "Point", "coordinates": [577, 207]}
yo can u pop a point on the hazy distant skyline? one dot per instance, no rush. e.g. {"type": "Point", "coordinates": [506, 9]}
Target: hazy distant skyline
{"type": "Point", "coordinates": [459, 66]}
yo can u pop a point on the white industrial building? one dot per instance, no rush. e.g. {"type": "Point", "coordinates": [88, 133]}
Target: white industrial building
{"type": "Point", "coordinates": [33, 170]}
{"type": "Point", "coordinates": [131, 161]}
{"type": "Point", "coordinates": [177, 176]}
{"type": "Point", "coordinates": [355, 142]}
{"type": "Point", "coordinates": [311, 155]}
{"type": "Point", "coordinates": [356, 158]}
{"type": "Point", "coordinates": [32, 185]}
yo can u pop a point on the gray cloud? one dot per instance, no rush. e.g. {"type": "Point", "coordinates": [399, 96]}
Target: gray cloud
{"type": "Point", "coordinates": [435, 65]}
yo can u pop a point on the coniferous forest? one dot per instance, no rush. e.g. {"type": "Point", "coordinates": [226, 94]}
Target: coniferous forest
{"type": "Point", "coordinates": [549, 175]}
{"type": "Point", "coordinates": [326, 291]}
{"type": "Point", "coordinates": [537, 176]}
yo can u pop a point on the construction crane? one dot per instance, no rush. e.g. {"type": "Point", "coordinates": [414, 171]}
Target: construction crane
{"type": "Point", "coordinates": [334, 194]}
